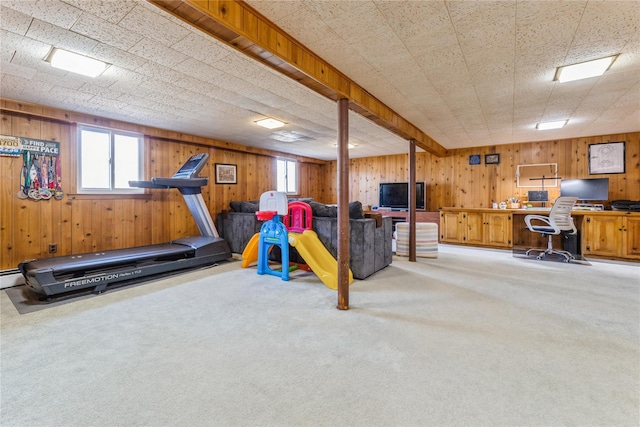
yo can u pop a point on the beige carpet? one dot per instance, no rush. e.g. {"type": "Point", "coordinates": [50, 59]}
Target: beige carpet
{"type": "Point", "coordinates": [475, 337]}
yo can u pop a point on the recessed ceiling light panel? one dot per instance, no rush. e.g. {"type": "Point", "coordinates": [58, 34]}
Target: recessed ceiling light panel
{"type": "Point", "coordinates": [75, 63]}
{"type": "Point", "coordinates": [270, 123]}
{"type": "Point", "coordinates": [551, 125]}
{"type": "Point", "coordinates": [584, 70]}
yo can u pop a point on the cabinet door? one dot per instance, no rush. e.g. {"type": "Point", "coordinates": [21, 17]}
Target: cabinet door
{"type": "Point", "coordinates": [498, 229]}
{"type": "Point", "coordinates": [604, 235]}
{"type": "Point", "coordinates": [631, 238]}
{"type": "Point", "coordinates": [474, 228]}
{"type": "Point", "coordinates": [451, 227]}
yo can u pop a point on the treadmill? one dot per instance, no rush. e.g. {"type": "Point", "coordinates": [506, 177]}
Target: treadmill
{"type": "Point", "coordinates": [96, 271]}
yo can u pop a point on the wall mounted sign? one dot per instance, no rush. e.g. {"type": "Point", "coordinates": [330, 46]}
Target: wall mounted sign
{"type": "Point", "coordinates": [40, 175]}
{"type": "Point", "coordinates": [606, 158]}
{"type": "Point", "coordinates": [14, 146]}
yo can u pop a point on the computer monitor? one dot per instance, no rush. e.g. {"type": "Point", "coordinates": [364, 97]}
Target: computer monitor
{"type": "Point", "coordinates": [538, 196]}
{"type": "Point", "coordinates": [594, 189]}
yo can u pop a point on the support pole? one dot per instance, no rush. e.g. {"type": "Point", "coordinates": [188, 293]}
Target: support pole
{"type": "Point", "coordinates": [412, 200]}
{"type": "Point", "coordinates": [343, 204]}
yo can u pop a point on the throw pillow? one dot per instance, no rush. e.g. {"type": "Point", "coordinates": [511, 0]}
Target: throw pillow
{"type": "Point", "coordinates": [249, 207]}
{"type": "Point", "coordinates": [355, 210]}
{"type": "Point", "coordinates": [322, 210]}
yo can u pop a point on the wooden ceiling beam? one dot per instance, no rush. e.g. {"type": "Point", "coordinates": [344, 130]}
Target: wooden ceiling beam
{"type": "Point", "coordinates": [238, 25]}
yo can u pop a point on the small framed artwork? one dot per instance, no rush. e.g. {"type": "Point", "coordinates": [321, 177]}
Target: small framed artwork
{"type": "Point", "coordinates": [474, 159]}
{"type": "Point", "coordinates": [491, 159]}
{"type": "Point", "coordinates": [606, 158]}
{"type": "Point", "coordinates": [226, 174]}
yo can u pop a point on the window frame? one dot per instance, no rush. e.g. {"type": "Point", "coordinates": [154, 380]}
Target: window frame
{"type": "Point", "coordinates": [297, 179]}
{"type": "Point", "coordinates": [112, 133]}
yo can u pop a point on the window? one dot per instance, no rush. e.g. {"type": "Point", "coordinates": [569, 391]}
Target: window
{"type": "Point", "coordinates": [108, 159]}
{"type": "Point", "coordinates": [287, 176]}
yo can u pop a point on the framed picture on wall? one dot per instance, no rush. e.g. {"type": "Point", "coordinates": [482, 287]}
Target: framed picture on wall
{"type": "Point", "coordinates": [474, 159]}
{"type": "Point", "coordinates": [491, 159]}
{"type": "Point", "coordinates": [606, 158]}
{"type": "Point", "coordinates": [226, 174]}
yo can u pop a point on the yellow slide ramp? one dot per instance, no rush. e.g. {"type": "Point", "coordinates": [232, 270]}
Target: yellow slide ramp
{"type": "Point", "coordinates": [323, 264]}
{"type": "Point", "coordinates": [250, 253]}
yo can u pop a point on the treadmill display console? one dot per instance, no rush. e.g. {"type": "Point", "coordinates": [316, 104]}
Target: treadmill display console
{"type": "Point", "coordinates": [192, 167]}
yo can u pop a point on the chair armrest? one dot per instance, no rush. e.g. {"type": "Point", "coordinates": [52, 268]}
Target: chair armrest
{"type": "Point", "coordinates": [544, 219]}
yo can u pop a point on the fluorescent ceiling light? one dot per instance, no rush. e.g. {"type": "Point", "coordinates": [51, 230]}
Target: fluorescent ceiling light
{"type": "Point", "coordinates": [270, 123]}
{"type": "Point", "coordinates": [584, 70]}
{"type": "Point", "coordinates": [75, 63]}
{"type": "Point", "coordinates": [350, 145]}
{"type": "Point", "coordinates": [551, 125]}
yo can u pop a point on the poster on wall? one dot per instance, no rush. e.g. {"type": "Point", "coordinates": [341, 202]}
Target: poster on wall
{"type": "Point", "coordinates": [10, 146]}
{"type": "Point", "coordinates": [41, 174]}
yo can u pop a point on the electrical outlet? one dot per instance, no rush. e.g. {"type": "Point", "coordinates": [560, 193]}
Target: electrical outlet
{"type": "Point", "coordinates": [53, 248]}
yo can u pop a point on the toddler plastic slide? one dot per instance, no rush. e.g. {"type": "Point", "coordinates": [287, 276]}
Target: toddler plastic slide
{"type": "Point", "coordinates": [250, 253]}
{"type": "Point", "coordinates": [323, 264]}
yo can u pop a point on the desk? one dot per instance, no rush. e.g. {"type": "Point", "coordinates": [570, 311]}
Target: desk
{"type": "Point", "coordinates": [603, 234]}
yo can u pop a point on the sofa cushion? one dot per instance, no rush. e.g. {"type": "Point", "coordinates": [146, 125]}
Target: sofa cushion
{"type": "Point", "coordinates": [249, 207]}
{"type": "Point", "coordinates": [235, 206]}
{"type": "Point", "coordinates": [323, 211]}
{"type": "Point", "coordinates": [331, 211]}
{"type": "Point", "coordinates": [245, 207]}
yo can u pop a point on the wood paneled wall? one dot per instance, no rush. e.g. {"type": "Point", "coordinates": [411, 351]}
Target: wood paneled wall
{"type": "Point", "coordinates": [452, 182]}
{"type": "Point", "coordinates": [83, 223]}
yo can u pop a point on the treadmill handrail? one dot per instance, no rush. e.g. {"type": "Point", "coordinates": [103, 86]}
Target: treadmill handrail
{"type": "Point", "coordinates": [180, 183]}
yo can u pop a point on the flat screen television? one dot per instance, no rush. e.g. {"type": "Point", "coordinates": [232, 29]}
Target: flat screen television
{"type": "Point", "coordinates": [586, 189]}
{"type": "Point", "coordinates": [395, 195]}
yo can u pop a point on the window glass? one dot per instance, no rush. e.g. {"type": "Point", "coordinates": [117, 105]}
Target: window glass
{"type": "Point", "coordinates": [108, 160]}
{"type": "Point", "coordinates": [127, 160]}
{"type": "Point", "coordinates": [94, 159]}
{"type": "Point", "coordinates": [287, 176]}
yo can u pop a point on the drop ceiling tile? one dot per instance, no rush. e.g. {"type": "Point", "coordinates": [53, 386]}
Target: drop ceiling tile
{"type": "Point", "coordinates": [606, 20]}
{"type": "Point", "coordinates": [28, 60]}
{"type": "Point", "coordinates": [113, 55]}
{"type": "Point", "coordinates": [157, 26]}
{"type": "Point", "coordinates": [100, 91]}
{"type": "Point", "coordinates": [17, 70]}
{"type": "Point", "coordinates": [12, 86]}
{"type": "Point", "coordinates": [14, 44]}
{"type": "Point", "coordinates": [108, 33]}
{"type": "Point", "coordinates": [596, 50]}
{"type": "Point", "coordinates": [53, 11]}
{"type": "Point", "coordinates": [415, 18]}
{"type": "Point", "coordinates": [200, 47]}
{"type": "Point", "coordinates": [111, 10]}
{"type": "Point", "coordinates": [278, 10]}
{"type": "Point", "coordinates": [489, 25]}
{"type": "Point", "coordinates": [15, 21]}
{"type": "Point", "coordinates": [72, 96]}
{"type": "Point", "coordinates": [59, 37]}
{"type": "Point", "coordinates": [149, 49]}
{"type": "Point", "coordinates": [198, 70]}
{"type": "Point", "coordinates": [547, 27]}
{"type": "Point", "coordinates": [629, 99]}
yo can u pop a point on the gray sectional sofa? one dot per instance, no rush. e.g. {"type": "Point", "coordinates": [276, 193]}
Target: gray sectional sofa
{"type": "Point", "coordinates": [370, 242]}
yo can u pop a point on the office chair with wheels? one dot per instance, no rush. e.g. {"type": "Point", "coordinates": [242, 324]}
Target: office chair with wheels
{"type": "Point", "coordinates": [559, 220]}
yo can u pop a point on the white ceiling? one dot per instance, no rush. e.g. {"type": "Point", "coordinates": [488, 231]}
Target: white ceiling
{"type": "Point", "coordinates": [466, 73]}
